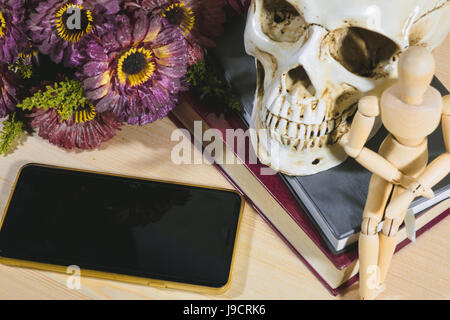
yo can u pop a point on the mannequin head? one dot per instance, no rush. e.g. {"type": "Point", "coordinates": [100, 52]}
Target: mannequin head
{"type": "Point", "coordinates": [415, 71]}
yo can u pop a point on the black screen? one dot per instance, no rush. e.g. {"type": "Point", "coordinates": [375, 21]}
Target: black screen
{"type": "Point", "coordinates": [121, 225]}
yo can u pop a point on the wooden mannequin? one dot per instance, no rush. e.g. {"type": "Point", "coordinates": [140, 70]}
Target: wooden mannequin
{"type": "Point", "coordinates": [410, 110]}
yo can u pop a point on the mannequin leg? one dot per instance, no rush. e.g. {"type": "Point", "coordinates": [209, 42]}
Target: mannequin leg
{"type": "Point", "coordinates": [368, 247]}
{"type": "Point", "coordinates": [388, 235]}
{"type": "Point", "coordinates": [388, 239]}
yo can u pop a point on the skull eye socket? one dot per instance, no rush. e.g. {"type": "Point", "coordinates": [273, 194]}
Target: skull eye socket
{"type": "Point", "coordinates": [281, 22]}
{"type": "Point", "coordinates": [362, 51]}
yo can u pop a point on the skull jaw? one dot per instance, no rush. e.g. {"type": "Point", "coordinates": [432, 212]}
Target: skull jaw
{"type": "Point", "coordinates": [289, 161]}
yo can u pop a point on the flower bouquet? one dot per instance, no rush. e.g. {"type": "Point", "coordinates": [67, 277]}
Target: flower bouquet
{"type": "Point", "coordinates": [77, 70]}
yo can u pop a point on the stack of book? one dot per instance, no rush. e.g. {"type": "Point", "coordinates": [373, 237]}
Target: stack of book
{"type": "Point", "coordinates": [317, 216]}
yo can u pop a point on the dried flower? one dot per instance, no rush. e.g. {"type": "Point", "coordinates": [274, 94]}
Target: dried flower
{"type": "Point", "coordinates": [200, 21]}
{"type": "Point", "coordinates": [12, 35]}
{"type": "Point", "coordinates": [9, 91]}
{"type": "Point", "coordinates": [57, 27]}
{"type": "Point", "coordinates": [85, 130]}
{"type": "Point", "coordinates": [65, 118]}
{"type": "Point", "coordinates": [134, 68]}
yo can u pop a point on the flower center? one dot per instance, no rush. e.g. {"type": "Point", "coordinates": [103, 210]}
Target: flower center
{"type": "Point", "coordinates": [136, 66]}
{"type": "Point", "coordinates": [181, 16]}
{"type": "Point", "coordinates": [73, 22]}
{"type": "Point", "coordinates": [84, 114]}
{"type": "Point", "coordinates": [2, 25]}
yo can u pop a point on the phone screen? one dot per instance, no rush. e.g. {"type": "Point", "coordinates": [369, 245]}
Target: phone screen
{"type": "Point", "coordinates": [120, 225]}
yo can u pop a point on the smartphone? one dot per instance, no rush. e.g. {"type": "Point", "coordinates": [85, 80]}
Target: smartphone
{"type": "Point", "coordinates": [121, 228]}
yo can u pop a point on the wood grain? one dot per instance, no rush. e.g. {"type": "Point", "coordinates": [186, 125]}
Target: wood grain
{"type": "Point", "coordinates": [442, 56]}
{"type": "Point", "coordinates": [264, 268]}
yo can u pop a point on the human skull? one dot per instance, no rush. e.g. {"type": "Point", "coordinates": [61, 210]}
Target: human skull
{"type": "Point", "coordinates": [315, 59]}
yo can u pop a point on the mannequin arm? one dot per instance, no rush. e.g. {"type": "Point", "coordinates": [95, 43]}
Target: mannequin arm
{"type": "Point", "coordinates": [439, 168]}
{"type": "Point", "coordinates": [362, 125]}
{"type": "Point", "coordinates": [378, 165]}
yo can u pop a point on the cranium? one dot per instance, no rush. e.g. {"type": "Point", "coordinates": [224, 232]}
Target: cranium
{"type": "Point", "coordinates": [316, 58]}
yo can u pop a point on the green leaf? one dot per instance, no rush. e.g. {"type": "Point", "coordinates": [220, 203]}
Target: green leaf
{"type": "Point", "coordinates": [65, 96]}
{"type": "Point", "coordinates": [11, 132]}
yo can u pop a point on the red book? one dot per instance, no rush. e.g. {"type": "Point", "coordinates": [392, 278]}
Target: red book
{"type": "Point", "coordinates": [274, 201]}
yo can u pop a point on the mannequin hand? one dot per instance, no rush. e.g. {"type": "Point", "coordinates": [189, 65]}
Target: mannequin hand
{"type": "Point", "coordinates": [415, 187]}
{"type": "Point", "coordinates": [419, 190]}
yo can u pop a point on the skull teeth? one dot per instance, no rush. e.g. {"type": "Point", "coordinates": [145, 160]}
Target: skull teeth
{"type": "Point", "coordinates": [305, 136]}
{"type": "Point", "coordinates": [299, 130]}
{"type": "Point", "coordinates": [282, 106]}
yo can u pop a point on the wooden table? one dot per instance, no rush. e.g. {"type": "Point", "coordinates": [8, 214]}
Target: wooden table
{"type": "Point", "coordinates": [264, 268]}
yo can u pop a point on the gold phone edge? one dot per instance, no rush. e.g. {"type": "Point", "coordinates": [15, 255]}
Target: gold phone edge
{"type": "Point", "coordinates": [122, 277]}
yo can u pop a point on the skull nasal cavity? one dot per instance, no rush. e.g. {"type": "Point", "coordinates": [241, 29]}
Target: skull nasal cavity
{"type": "Point", "coordinates": [362, 51]}
{"type": "Point", "coordinates": [297, 80]}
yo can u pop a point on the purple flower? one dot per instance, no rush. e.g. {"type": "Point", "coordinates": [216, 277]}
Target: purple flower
{"type": "Point", "coordinates": [58, 27]}
{"type": "Point", "coordinates": [134, 68]}
{"type": "Point", "coordinates": [12, 36]}
{"type": "Point", "coordinates": [85, 130]}
{"type": "Point", "coordinates": [9, 91]}
{"type": "Point", "coordinates": [178, 13]}
{"type": "Point", "coordinates": [199, 20]}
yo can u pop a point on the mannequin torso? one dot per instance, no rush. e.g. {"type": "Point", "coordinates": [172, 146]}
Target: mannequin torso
{"type": "Point", "coordinates": [410, 124]}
